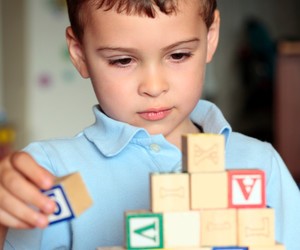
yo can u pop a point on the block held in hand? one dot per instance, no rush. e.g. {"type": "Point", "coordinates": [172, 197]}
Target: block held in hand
{"type": "Point", "coordinates": [71, 197]}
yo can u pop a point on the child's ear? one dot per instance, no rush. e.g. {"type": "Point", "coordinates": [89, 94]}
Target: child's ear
{"type": "Point", "coordinates": [213, 36]}
{"type": "Point", "coordinates": [76, 53]}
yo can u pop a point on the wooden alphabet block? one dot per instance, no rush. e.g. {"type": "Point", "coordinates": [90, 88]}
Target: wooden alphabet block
{"type": "Point", "coordinates": [169, 192]}
{"type": "Point", "coordinates": [186, 248]}
{"type": "Point", "coordinates": [144, 230]}
{"type": "Point", "coordinates": [275, 247]}
{"type": "Point", "coordinates": [209, 190]}
{"type": "Point", "coordinates": [203, 153]}
{"type": "Point", "coordinates": [247, 188]}
{"type": "Point", "coordinates": [256, 227]}
{"type": "Point", "coordinates": [230, 248]}
{"type": "Point", "coordinates": [71, 197]}
{"type": "Point", "coordinates": [218, 227]}
{"type": "Point", "coordinates": [181, 229]}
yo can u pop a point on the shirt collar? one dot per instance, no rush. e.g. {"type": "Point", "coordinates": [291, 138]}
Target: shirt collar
{"type": "Point", "coordinates": [209, 116]}
{"type": "Point", "coordinates": [111, 136]}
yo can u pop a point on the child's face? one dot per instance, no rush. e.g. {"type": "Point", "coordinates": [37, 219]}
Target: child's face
{"type": "Point", "coordinates": [147, 72]}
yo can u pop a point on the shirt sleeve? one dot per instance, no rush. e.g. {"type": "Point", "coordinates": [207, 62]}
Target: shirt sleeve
{"type": "Point", "coordinates": [23, 239]}
{"type": "Point", "coordinates": [54, 237]}
{"type": "Point", "coordinates": [283, 195]}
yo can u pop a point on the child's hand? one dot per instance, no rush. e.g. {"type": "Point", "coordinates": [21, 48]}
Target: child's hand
{"type": "Point", "coordinates": [22, 205]}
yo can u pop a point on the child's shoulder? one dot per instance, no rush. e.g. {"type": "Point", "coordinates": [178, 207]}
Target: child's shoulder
{"type": "Point", "coordinates": [246, 151]}
{"type": "Point", "coordinates": [248, 142]}
{"type": "Point", "coordinates": [56, 143]}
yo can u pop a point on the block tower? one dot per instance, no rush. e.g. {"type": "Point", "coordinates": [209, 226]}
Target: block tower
{"type": "Point", "coordinates": [205, 207]}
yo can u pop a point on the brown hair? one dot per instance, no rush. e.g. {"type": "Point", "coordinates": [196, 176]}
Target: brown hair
{"type": "Point", "coordinates": [139, 7]}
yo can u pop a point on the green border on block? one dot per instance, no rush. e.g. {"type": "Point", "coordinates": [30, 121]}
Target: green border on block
{"type": "Point", "coordinates": [159, 216]}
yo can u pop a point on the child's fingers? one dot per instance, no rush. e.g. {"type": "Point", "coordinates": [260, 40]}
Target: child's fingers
{"type": "Point", "coordinates": [22, 204]}
{"type": "Point", "coordinates": [25, 191]}
{"type": "Point", "coordinates": [26, 165]}
{"type": "Point", "coordinates": [17, 214]}
{"type": "Point", "coordinates": [10, 221]}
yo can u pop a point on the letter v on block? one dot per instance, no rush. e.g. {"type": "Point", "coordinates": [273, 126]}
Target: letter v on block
{"type": "Point", "coordinates": [246, 188]}
{"type": "Point", "coordinates": [144, 230]}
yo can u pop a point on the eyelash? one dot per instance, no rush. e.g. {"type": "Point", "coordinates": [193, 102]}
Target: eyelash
{"type": "Point", "coordinates": [124, 62]}
{"type": "Point", "coordinates": [183, 55]}
{"type": "Point", "coordinates": [118, 62]}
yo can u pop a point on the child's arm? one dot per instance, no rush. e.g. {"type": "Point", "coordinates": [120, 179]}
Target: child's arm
{"type": "Point", "coordinates": [22, 204]}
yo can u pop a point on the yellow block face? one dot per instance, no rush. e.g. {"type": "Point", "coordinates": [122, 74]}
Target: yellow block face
{"type": "Point", "coordinates": [203, 153]}
{"type": "Point", "coordinates": [256, 227]}
{"type": "Point", "coordinates": [218, 227]}
{"type": "Point", "coordinates": [209, 190]}
{"type": "Point", "coordinates": [188, 248]}
{"type": "Point", "coordinates": [77, 192]}
{"type": "Point", "coordinates": [181, 229]}
{"type": "Point", "coordinates": [170, 192]}
{"type": "Point", "coordinates": [275, 247]}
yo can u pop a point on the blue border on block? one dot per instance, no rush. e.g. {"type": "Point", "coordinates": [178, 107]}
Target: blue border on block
{"type": "Point", "coordinates": [67, 202]}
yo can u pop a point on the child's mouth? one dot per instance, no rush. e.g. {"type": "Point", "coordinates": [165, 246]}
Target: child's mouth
{"type": "Point", "coordinates": [155, 114]}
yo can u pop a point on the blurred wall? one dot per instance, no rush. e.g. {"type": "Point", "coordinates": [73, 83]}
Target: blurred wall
{"type": "Point", "coordinates": [44, 95]}
{"type": "Point", "coordinates": [13, 70]}
{"type": "Point", "coordinates": [1, 65]}
{"type": "Point", "coordinates": [282, 20]}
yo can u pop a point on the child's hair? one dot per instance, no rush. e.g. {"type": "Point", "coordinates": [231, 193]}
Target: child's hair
{"type": "Point", "coordinates": [140, 7]}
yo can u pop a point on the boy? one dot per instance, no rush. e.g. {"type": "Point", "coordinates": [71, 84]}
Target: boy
{"type": "Point", "coordinates": [146, 61]}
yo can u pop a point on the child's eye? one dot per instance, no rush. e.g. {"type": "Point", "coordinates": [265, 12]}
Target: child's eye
{"type": "Point", "coordinates": [120, 62]}
{"type": "Point", "coordinates": [178, 57]}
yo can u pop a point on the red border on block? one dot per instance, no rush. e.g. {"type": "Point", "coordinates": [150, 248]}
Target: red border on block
{"type": "Point", "coordinates": [232, 173]}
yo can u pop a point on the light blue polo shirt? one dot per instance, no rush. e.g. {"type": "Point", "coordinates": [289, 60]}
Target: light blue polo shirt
{"type": "Point", "coordinates": [115, 160]}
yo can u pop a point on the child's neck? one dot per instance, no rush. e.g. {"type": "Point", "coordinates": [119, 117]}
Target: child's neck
{"type": "Point", "coordinates": [176, 140]}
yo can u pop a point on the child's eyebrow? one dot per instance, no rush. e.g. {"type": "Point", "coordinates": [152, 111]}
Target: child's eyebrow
{"type": "Point", "coordinates": [133, 50]}
{"type": "Point", "coordinates": [120, 49]}
{"type": "Point", "coordinates": [174, 45]}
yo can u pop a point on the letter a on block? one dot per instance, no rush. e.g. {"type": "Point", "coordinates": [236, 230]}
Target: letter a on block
{"type": "Point", "coordinates": [247, 188]}
{"type": "Point", "coordinates": [144, 231]}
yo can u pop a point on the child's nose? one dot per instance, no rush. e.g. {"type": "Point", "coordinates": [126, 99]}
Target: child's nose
{"type": "Point", "coordinates": [153, 82]}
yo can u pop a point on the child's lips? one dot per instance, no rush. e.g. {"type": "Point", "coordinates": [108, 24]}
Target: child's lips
{"type": "Point", "coordinates": [155, 114]}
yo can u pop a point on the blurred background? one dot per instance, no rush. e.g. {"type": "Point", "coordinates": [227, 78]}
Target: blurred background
{"type": "Point", "coordinates": [254, 77]}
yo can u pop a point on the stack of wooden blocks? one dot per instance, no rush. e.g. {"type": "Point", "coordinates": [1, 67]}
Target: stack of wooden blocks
{"type": "Point", "coordinates": [205, 207]}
